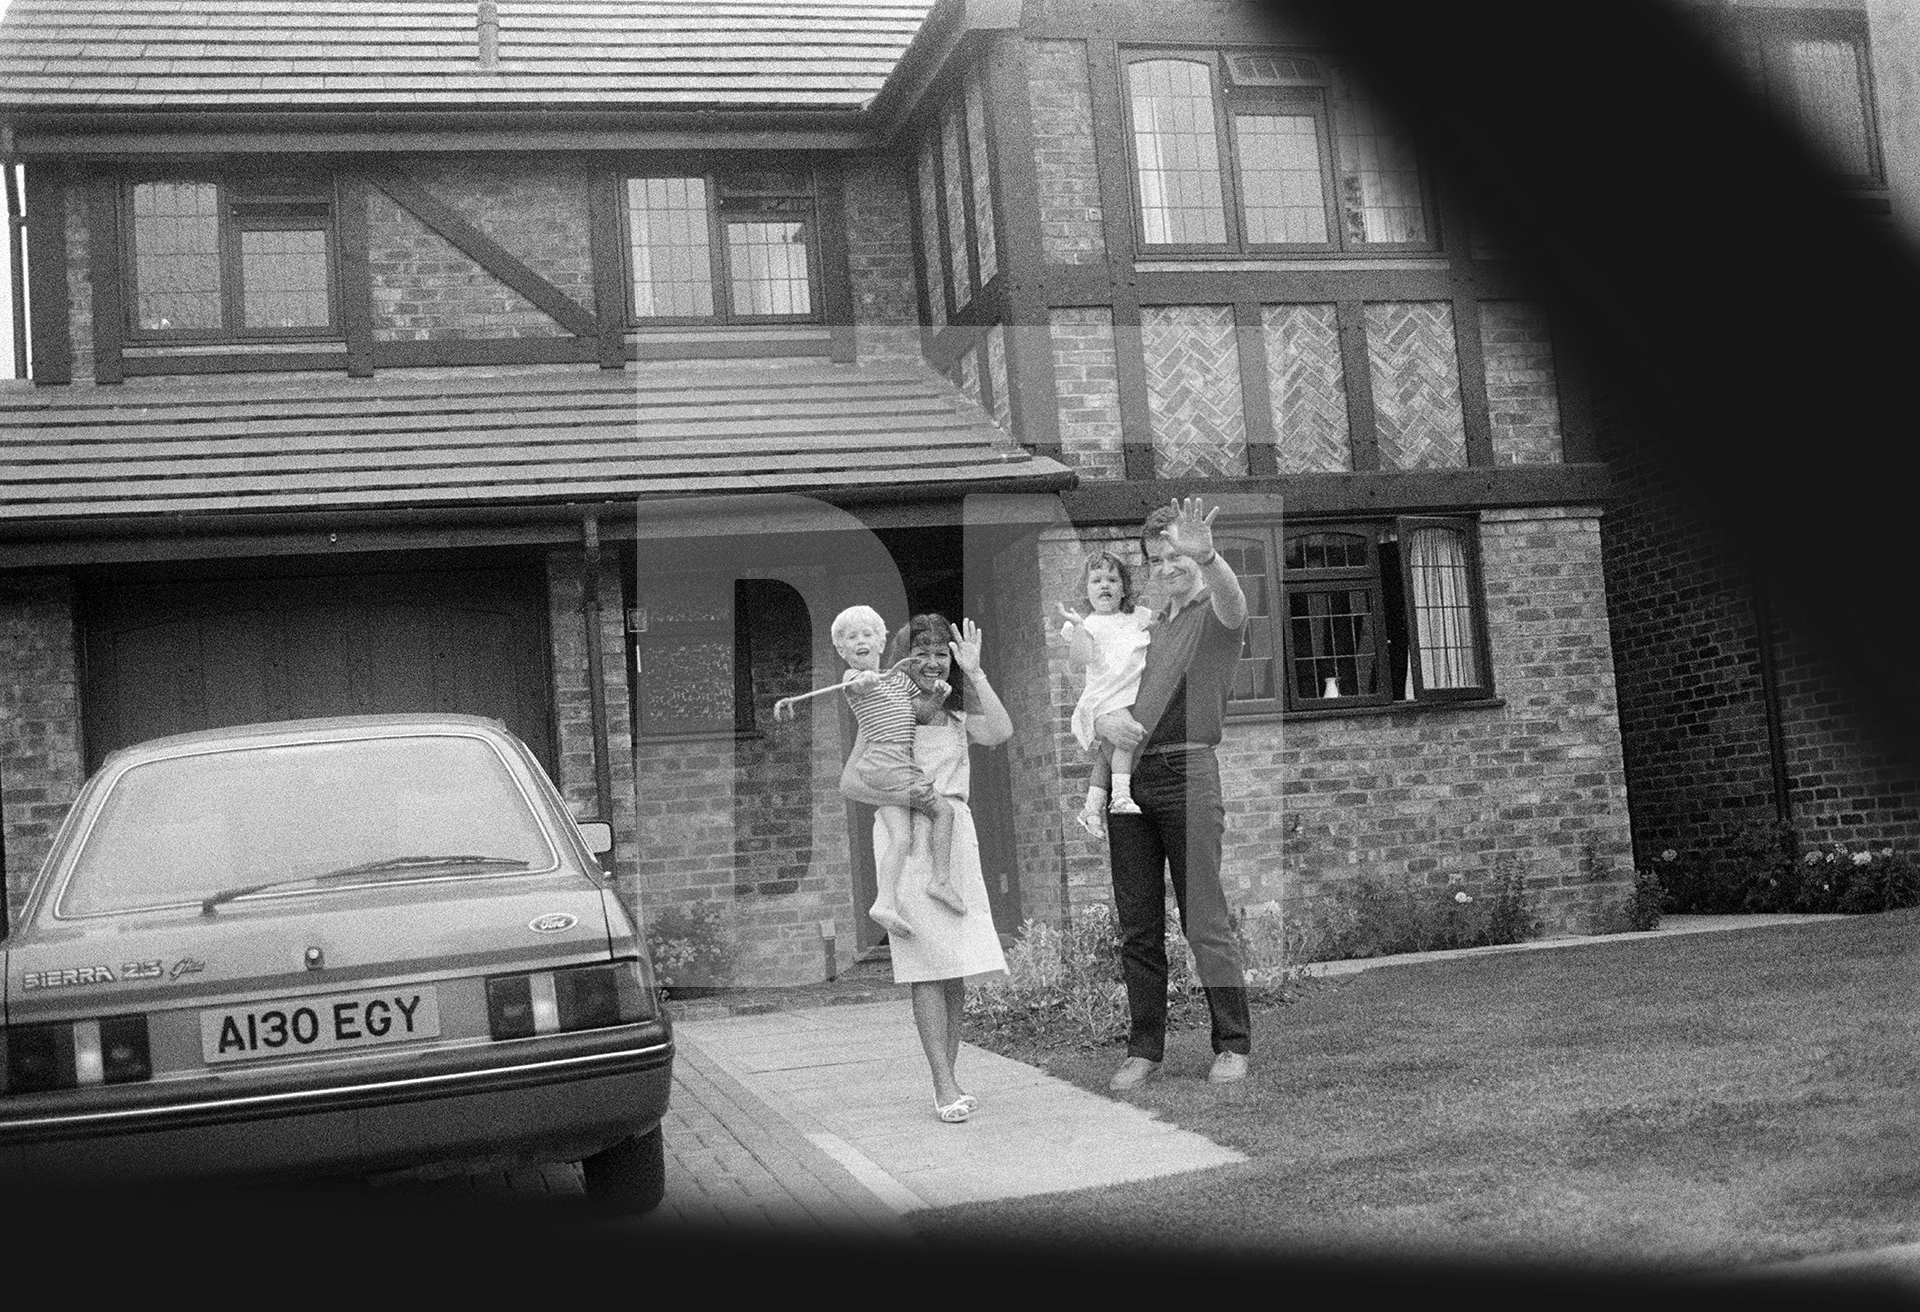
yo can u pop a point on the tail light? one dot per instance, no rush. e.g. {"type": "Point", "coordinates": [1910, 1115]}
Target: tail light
{"type": "Point", "coordinates": [74, 1054]}
{"type": "Point", "coordinates": [578, 998]}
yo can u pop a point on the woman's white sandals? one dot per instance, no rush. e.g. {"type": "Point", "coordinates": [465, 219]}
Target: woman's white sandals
{"type": "Point", "coordinates": [956, 1111]}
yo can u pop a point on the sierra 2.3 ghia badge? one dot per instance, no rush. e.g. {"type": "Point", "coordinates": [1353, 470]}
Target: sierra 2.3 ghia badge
{"type": "Point", "coordinates": [553, 922]}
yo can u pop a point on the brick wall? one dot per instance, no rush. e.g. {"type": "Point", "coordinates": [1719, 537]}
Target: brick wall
{"type": "Point", "coordinates": [80, 280]}
{"type": "Point", "coordinates": [754, 825]}
{"type": "Point", "coordinates": [1523, 404]}
{"type": "Point", "coordinates": [425, 290]}
{"type": "Point", "coordinates": [1693, 713]}
{"type": "Point", "coordinates": [1087, 390]}
{"type": "Point", "coordinates": [40, 762]}
{"type": "Point", "coordinates": [1444, 797]}
{"type": "Point", "coordinates": [1192, 359]}
{"type": "Point", "coordinates": [880, 259]}
{"type": "Point", "coordinates": [1069, 179]}
{"type": "Point", "coordinates": [1416, 385]}
{"type": "Point", "coordinates": [573, 706]}
{"type": "Point", "coordinates": [1847, 785]}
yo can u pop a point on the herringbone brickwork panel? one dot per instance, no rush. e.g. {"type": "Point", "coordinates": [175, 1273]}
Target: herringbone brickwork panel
{"type": "Point", "coordinates": [1307, 389]}
{"type": "Point", "coordinates": [1523, 399]}
{"type": "Point", "coordinates": [1193, 391]}
{"type": "Point", "coordinates": [1416, 385]}
{"type": "Point", "coordinates": [1086, 385]}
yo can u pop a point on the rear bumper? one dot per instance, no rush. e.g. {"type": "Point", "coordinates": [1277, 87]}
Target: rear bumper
{"type": "Point", "coordinates": [548, 1100]}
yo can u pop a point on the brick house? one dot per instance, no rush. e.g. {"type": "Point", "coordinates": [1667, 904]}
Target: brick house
{"type": "Point", "coordinates": [1731, 720]}
{"type": "Point", "coordinates": [574, 363]}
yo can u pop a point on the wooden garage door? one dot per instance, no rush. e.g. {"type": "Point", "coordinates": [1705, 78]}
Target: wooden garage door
{"type": "Point", "coordinates": [169, 657]}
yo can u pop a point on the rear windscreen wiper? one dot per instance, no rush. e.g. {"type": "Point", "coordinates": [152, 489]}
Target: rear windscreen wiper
{"type": "Point", "coordinates": [386, 865]}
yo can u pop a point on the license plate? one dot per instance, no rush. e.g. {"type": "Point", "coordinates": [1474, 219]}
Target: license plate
{"type": "Point", "coordinates": [307, 1025]}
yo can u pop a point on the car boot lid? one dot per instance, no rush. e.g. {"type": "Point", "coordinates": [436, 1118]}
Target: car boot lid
{"type": "Point", "coordinates": [267, 943]}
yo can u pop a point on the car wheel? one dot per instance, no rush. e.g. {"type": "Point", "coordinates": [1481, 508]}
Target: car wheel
{"type": "Point", "coordinates": [631, 1176]}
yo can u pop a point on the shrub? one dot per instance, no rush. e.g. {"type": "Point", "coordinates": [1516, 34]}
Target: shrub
{"type": "Point", "coordinates": [1376, 916]}
{"type": "Point", "coordinates": [1064, 984]}
{"type": "Point", "coordinates": [1649, 895]}
{"type": "Point", "coordinates": [691, 949]}
{"type": "Point", "coordinates": [1764, 869]}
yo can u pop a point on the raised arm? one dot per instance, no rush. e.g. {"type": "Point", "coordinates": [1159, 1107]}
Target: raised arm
{"type": "Point", "coordinates": [1079, 641]}
{"type": "Point", "coordinates": [987, 720]}
{"type": "Point", "coordinates": [1191, 534]}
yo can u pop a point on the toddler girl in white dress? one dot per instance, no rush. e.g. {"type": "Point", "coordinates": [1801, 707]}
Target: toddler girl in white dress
{"type": "Point", "coordinates": [1110, 644]}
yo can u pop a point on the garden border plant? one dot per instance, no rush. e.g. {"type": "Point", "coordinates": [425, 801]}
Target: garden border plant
{"type": "Point", "coordinates": [1765, 869]}
{"type": "Point", "coordinates": [1064, 983]}
{"type": "Point", "coordinates": [691, 948]}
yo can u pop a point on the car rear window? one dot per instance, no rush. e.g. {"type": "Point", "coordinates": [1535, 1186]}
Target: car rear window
{"type": "Point", "coordinates": [188, 827]}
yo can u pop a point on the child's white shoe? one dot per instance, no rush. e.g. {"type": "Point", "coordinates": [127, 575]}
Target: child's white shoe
{"type": "Point", "coordinates": [1124, 806]}
{"type": "Point", "coordinates": [1093, 822]}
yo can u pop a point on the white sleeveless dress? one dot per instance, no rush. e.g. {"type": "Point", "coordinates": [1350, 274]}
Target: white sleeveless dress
{"type": "Point", "coordinates": [944, 945]}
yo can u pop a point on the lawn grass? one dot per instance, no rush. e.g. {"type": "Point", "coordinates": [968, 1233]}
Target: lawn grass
{"type": "Point", "coordinates": [1665, 1103]}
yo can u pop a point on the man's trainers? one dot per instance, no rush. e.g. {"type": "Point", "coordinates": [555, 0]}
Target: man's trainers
{"type": "Point", "coordinates": [1133, 1072]}
{"type": "Point", "coordinates": [1227, 1067]}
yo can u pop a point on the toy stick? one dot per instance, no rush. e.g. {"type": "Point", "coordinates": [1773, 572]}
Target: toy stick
{"type": "Point", "coordinates": [783, 709]}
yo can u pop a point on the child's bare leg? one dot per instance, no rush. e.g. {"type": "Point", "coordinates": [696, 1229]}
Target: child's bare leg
{"type": "Point", "coordinates": [940, 888]}
{"type": "Point", "coordinates": [1123, 803]}
{"type": "Point", "coordinates": [1093, 812]}
{"type": "Point", "coordinates": [888, 866]}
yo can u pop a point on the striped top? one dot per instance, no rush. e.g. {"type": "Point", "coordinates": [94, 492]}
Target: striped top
{"type": "Point", "coordinates": [885, 712]}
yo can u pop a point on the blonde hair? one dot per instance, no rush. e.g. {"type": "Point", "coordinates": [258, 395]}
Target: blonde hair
{"type": "Point", "coordinates": [852, 615]}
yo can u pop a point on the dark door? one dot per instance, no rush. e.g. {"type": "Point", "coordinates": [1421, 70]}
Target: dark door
{"type": "Point", "coordinates": [172, 656]}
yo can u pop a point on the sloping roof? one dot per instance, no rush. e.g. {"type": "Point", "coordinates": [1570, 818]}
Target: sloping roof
{"type": "Point", "coordinates": [156, 449]}
{"type": "Point", "coordinates": [417, 54]}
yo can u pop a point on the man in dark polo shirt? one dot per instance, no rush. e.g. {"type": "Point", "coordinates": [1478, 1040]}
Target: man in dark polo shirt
{"type": "Point", "coordinates": [1173, 727]}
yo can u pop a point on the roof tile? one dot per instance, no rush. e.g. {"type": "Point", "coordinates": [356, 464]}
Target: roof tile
{"type": "Point", "coordinates": [321, 442]}
{"type": "Point", "coordinates": [825, 53]}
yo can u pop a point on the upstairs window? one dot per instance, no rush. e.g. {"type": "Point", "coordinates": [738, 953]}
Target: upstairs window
{"type": "Point", "coordinates": [731, 247]}
{"type": "Point", "coordinates": [1267, 152]}
{"type": "Point", "coordinates": [1367, 614]}
{"type": "Point", "coordinates": [1812, 69]}
{"type": "Point", "coordinates": [231, 257]}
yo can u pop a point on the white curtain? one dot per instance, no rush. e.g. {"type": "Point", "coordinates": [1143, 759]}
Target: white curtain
{"type": "Point", "coordinates": [1178, 153]}
{"type": "Point", "coordinates": [1442, 609]}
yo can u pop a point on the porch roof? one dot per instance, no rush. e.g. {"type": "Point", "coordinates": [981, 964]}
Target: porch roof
{"type": "Point", "coordinates": [289, 55]}
{"type": "Point", "coordinates": [152, 450]}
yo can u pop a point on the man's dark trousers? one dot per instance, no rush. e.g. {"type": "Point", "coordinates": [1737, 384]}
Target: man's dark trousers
{"type": "Point", "coordinates": [1177, 836]}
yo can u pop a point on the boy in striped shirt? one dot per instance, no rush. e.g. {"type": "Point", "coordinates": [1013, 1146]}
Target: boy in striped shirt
{"type": "Point", "coordinates": [888, 706]}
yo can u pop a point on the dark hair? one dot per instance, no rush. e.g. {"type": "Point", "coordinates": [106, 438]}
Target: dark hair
{"type": "Point", "coordinates": [1156, 525]}
{"type": "Point", "coordinates": [1120, 567]}
{"type": "Point", "coordinates": [900, 645]}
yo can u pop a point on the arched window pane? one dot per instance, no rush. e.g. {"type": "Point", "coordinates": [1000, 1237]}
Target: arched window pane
{"type": "Point", "coordinates": [1178, 153]}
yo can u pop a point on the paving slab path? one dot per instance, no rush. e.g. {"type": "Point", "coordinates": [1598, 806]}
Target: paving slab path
{"type": "Point", "coordinates": [852, 1080]}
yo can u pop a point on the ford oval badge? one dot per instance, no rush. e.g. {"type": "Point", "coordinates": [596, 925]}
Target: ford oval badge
{"type": "Point", "coordinates": [552, 923]}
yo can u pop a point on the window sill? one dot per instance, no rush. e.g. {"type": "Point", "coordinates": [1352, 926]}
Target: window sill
{"type": "Point", "coordinates": [1391, 708]}
{"type": "Point", "coordinates": [699, 736]}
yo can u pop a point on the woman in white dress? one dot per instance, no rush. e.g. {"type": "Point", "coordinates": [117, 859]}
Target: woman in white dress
{"type": "Point", "coordinates": [945, 947]}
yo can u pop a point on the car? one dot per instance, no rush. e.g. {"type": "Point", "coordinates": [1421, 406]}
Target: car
{"type": "Point", "coordinates": [335, 947]}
